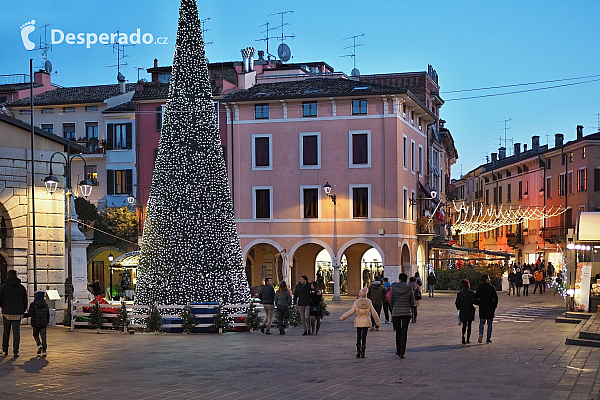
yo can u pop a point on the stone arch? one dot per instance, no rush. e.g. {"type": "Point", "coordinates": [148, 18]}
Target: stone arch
{"type": "Point", "coordinates": [313, 241]}
{"type": "Point", "coordinates": [361, 241]}
{"type": "Point", "coordinates": [259, 241]}
{"type": "Point", "coordinates": [405, 259]}
{"type": "Point", "coordinates": [255, 257]}
{"type": "Point", "coordinates": [303, 256]}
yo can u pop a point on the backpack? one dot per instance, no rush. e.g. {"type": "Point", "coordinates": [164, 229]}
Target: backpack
{"type": "Point", "coordinates": [418, 295]}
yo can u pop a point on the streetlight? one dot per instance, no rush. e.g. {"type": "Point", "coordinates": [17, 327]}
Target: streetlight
{"type": "Point", "coordinates": [110, 257]}
{"type": "Point", "coordinates": [336, 264]}
{"type": "Point", "coordinates": [85, 187]}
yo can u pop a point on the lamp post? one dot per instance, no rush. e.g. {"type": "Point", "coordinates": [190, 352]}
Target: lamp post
{"type": "Point", "coordinates": [85, 186]}
{"type": "Point", "coordinates": [335, 262]}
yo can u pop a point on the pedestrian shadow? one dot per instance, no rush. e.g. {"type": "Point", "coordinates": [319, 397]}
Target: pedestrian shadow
{"type": "Point", "coordinates": [34, 365]}
{"type": "Point", "coordinates": [437, 348]}
{"type": "Point", "coordinates": [7, 367]}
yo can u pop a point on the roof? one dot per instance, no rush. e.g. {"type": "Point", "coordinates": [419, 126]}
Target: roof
{"type": "Point", "coordinates": [15, 87]}
{"type": "Point", "coordinates": [74, 95]}
{"type": "Point", "coordinates": [121, 108]}
{"type": "Point", "coordinates": [151, 91]}
{"type": "Point", "coordinates": [41, 132]}
{"type": "Point", "coordinates": [314, 87]}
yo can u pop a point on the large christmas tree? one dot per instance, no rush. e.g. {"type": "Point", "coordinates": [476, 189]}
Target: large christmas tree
{"type": "Point", "coordinates": [190, 247]}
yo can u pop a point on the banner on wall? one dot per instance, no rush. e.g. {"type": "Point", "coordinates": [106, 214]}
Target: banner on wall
{"type": "Point", "coordinates": [582, 286]}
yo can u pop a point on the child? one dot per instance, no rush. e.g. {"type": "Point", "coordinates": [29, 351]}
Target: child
{"type": "Point", "coordinates": [40, 317]}
{"type": "Point", "coordinates": [362, 322]}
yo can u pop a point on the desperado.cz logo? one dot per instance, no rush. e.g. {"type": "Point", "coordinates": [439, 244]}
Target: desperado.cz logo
{"type": "Point", "coordinates": [57, 36]}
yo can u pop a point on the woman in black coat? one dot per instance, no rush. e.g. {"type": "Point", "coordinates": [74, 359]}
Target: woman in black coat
{"type": "Point", "coordinates": [464, 304]}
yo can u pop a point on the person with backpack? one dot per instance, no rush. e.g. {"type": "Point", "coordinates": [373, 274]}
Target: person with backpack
{"type": "Point", "coordinates": [13, 300]}
{"type": "Point", "coordinates": [364, 310]}
{"type": "Point", "coordinates": [376, 294]}
{"type": "Point", "coordinates": [418, 296]}
{"type": "Point", "coordinates": [39, 314]}
{"type": "Point", "coordinates": [466, 312]}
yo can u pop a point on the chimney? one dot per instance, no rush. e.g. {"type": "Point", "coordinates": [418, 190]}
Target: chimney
{"type": "Point", "coordinates": [494, 159]}
{"type": "Point", "coordinates": [501, 153]}
{"type": "Point", "coordinates": [156, 63]}
{"type": "Point", "coordinates": [524, 147]}
{"type": "Point", "coordinates": [517, 149]}
{"type": "Point", "coordinates": [245, 58]}
{"type": "Point", "coordinates": [43, 78]}
{"type": "Point", "coordinates": [579, 132]}
{"type": "Point", "coordinates": [535, 143]}
{"type": "Point", "coordinates": [558, 139]}
{"type": "Point", "coordinates": [251, 51]}
{"type": "Point", "coordinates": [261, 55]}
{"type": "Point", "coordinates": [121, 80]}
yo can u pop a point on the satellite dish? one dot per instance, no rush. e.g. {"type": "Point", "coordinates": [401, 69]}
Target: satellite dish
{"type": "Point", "coordinates": [284, 52]}
{"type": "Point", "coordinates": [355, 72]}
{"type": "Point", "coordinates": [48, 66]}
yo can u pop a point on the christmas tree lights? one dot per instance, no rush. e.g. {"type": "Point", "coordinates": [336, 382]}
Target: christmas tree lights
{"type": "Point", "coordinates": [190, 248]}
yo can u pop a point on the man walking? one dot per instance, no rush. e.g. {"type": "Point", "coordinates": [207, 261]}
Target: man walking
{"type": "Point", "coordinates": [511, 282]}
{"type": "Point", "coordinates": [539, 277]}
{"type": "Point", "coordinates": [267, 296]}
{"type": "Point", "coordinates": [377, 296]}
{"type": "Point", "coordinates": [302, 299]}
{"type": "Point", "coordinates": [402, 301]}
{"type": "Point", "coordinates": [431, 280]}
{"type": "Point", "coordinates": [487, 299]}
{"type": "Point", "coordinates": [13, 300]}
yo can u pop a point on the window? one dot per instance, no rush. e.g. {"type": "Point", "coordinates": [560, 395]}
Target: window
{"type": "Point", "coordinates": [3, 99]}
{"type": "Point", "coordinates": [119, 136]}
{"type": "Point", "coordinates": [164, 78]}
{"type": "Point", "coordinates": [508, 174]}
{"type": "Point", "coordinates": [119, 181]}
{"type": "Point", "coordinates": [500, 194]}
{"type": "Point", "coordinates": [404, 111]}
{"type": "Point", "coordinates": [570, 156]}
{"type": "Point", "coordinates": [495, 195]}
{"type": "Point", "coordinates": [508, 194]}
{"type": "Point", "coordinates": [48, 127]}
{"type": "Point", "coordinates": [420, 160]}
{"type": "Point", "coordinates": [47, 111]}
{"type": "Point", "coordinates": [310, 150]}
{"type": "Point", "coordinates": [359, 107]}
{"type": "Point", "coordinates": [570, 182]}
{"type": "Point", "coordinates": [262, 157]}
{"type": "Point", "coordinates": [596, 180]}
{"type": "Point", "coordinates": [412, 117]}
{"type": "Point", "coordinates": [160, 113]}
{"type": "Point", "coordinates": [360, 202]}
{"type": "Point", "coordinates": [261, 111]}
{"type": "Point", "coordinates": [561, 184]}
{"type": "Point", "coordinates": [583, 152]}
{"type": "Point", "coordinates": [310, 202]}
{"type": "Point", "coordinates": [262, 202]}
{"type": "Point", "coordinates": [91, 130]}
{"type": "Point", "coordinates": [91, 173]}
{"type": "Point", "coordinates": [549, 163]}
{"type": "Point", "coordinates": [487, 197]}
{"type": "Point", "coordinates": [412, 156]}
{"type": "Point", "coordinates": [360, 149]}
{"type": "Point", "coordinates": [309, 108]}
{"type": "Point", "coordinates": [420, 124]}
{"type": "Point", "coordinates": [520, 190]}
{"type": "Point", "coordinates": [91, 108]}
{"type": "Point", "coordinates": [404, 153]}
{"type": "Point", "coordinates": [68, 109]}
{"type": "Point", "coordinates": [582, 180]}
{"type": "Point", "coordinates": [549, 187]}
{"type": "Point", "coordinates": [24, 112]}
{"type": "Point", "coordinates": [69, 131]}
{"type": "Point", "coordinates": [405, 202]}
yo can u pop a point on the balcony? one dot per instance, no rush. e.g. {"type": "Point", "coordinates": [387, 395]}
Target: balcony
{"type": "Point", "coordinates": [93, 145]}
{"type": "Point", "coordinates": [555, 234]}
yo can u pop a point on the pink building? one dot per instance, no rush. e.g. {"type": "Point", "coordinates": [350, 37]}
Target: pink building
{"type": "Point", "coordinates": [15, 87]}
{"type": "Point", "coordinates": [290, 135]}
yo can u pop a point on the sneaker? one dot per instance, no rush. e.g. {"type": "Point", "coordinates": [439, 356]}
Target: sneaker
{"type": "Point", "coordinates": [4, 353]}
{"type": "Point", "coordinates": [378, 329]}
{"type": "Point", "coordinates": [488, 341]}
{"type": "Point", "coordinates": [16, 354]}
{"type": "Point", "coordinates": [39, 350]}
{"type": "Point", "coordinates": [44, 353]}
{"type": "Point", "coordinates": [480, 339]}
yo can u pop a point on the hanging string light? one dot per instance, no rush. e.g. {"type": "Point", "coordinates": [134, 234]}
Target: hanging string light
{"type": "Point", "coordinates": [480, 218]}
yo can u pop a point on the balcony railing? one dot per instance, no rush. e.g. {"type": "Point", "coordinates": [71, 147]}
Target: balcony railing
{"type": "Point", "coordinates": [554, 233]}
{"type": "Point", "coordinates": [93, 145]}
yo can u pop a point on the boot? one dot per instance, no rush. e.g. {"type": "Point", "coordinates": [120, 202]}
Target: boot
{"type": "Point", "coordinates": [281, 331]}
{"type": "Point", "coordinates": [362, 351]}
{"type": "Point", "coordinates": [358, 351]}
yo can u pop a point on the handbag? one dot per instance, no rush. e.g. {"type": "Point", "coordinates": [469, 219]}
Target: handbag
{"type": "Point", "coordinates": [418, 295]}
{"type": "Point", "coordinates": [315, 308]}
{"type": "Point", "coordinates": [458, 321]}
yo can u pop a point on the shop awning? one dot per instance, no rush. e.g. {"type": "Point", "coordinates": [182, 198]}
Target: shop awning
{"type": "Point", "coordinates": [588, 227]}
{"type": "Point", "coordinates": [469, 250]}
{"type": "Point", "coordinates": [127, 260]}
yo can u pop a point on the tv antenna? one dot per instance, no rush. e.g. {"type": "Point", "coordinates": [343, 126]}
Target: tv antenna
{"type": "Point", "coordinates": [597, 121]}
{"type": "Point", "coordinates": [204, 30]}
{"type": "Point", "coordinates": [120, 49]}
{"type": "Point", "coordinates": [283, 50]}
{"type": "Point", "coordinates": [266, 38]}
{"type": "Point", "coordinates": [44, 47]}
{"type": "Point", "coordinates": [355, 72]}
{"type": "Point", "coordinates": [138, 71]}
{"type": "Point", "coordinates": [505, 129]}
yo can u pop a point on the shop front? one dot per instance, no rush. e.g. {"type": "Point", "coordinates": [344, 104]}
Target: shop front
{"type": "Point", "coordinates": [584, 263]}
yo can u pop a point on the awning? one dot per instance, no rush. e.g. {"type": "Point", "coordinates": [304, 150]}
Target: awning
{"type": "Point", "coordinates": [426, 190]}
{"type": "Point", "coordinates": [470, 250]}
{"type": "Point", "coordinates": [127, 260]}
{"type": "Point", "coordinates": [588, 227]}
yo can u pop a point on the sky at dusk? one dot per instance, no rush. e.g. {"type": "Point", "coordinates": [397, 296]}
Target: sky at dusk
{"type": "Point", "coordinates": [471, 44]}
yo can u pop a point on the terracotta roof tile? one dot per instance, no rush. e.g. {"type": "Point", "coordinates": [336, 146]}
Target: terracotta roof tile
{"type": "Point", "coordinates": [74, 95]}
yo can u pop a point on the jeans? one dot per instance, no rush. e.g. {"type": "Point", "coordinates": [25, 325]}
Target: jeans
{"type": "Point", "coordinates": [269, 310]}
{"type": "Point", "coordinates": [283, 314]}
{"type": "Point", "coordinates": [525, 289]}
{"type": "Point", "coordinates": [466, 327]}
{"type": "Point", "coordinates": [387, 310]}
{"type": "Point", "coordinates": [378, 311]}
{"type": "Point", "coordinates": [16, 330]}
{"type": "Point", "coordinates": [537, 284]}
{"type": "Point", "coordinates": [519, 290]}
{"type": "Point", "coordinates": [414, 316]}
{"type": "Point", "coordinates": [401, 327]}
{"type": "Point", "coordinates": [511, 286]}
{"type": "Point", "coordinates": [305, 316]}
{"type": "Point", "coordinates": [482, 322]}
{"type": "Point", "coordinates": [40, 332]}
{"type": "Point", "coordinates": [544, 285]}
{"type": "Point", "coordinates": [361, 336]}
{"type": "Point", "coordinates": [430, 289]}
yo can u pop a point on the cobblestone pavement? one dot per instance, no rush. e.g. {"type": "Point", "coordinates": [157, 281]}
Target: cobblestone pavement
{"type": "Point", "coordinates": [527, 359]}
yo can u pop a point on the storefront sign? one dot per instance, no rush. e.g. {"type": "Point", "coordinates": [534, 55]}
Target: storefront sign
{"type": "Point", "coordinates": [582, 286]}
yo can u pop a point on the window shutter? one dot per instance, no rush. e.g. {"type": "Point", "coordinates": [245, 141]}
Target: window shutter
{"type": "Point", "coordinates": [129, 181]}
{"type": "Point", "coordinates": [129, 135]}
{"type": "Point", "coordinates": [158, 118]}
{"type": "Point", "coordinates": [110, 181]}
{"type": "Point", "coordinates": [109, 136]}
{"type": "Point", "coordinates": [310, 150]}
{"type": "Point", "coordinates": [597, 180]}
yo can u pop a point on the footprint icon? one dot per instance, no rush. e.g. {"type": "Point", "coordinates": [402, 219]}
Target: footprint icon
{"type": "Point", "coordinates": [26, 29]}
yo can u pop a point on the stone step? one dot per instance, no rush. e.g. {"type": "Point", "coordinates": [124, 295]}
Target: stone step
{"type": "Point", "coordinates": [576, 314]}
{"type": "Point", "coordinates": [565, 320]}
{"type": "Point", "coordinates": [583, 342]}
{"type": "Point", "coordinates": [589, 335]}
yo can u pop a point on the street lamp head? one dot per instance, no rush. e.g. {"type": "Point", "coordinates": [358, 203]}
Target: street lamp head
{"type": "Point", "coordinates": [51, 183]}
{"type": "Point", "coordinates": [110, 257]}
{"type": "Point", "coordinates": [327, 188]}
{"type": "Point", "coordinates": [571, 246]}
{"type": "Point", "coordinates": [433, 194]}
{"type": "Point", "coordinates": [131, 199]}
{"type": "Point", "coordinates": [577, 246]}
{"type": "Point", "coordinates": [86, 187]}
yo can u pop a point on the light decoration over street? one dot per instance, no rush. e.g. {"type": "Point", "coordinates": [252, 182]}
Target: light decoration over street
{"type": "Point", "coordinates": [472, 219]}
{"type": "Point", "coordinates": [190, 249]}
